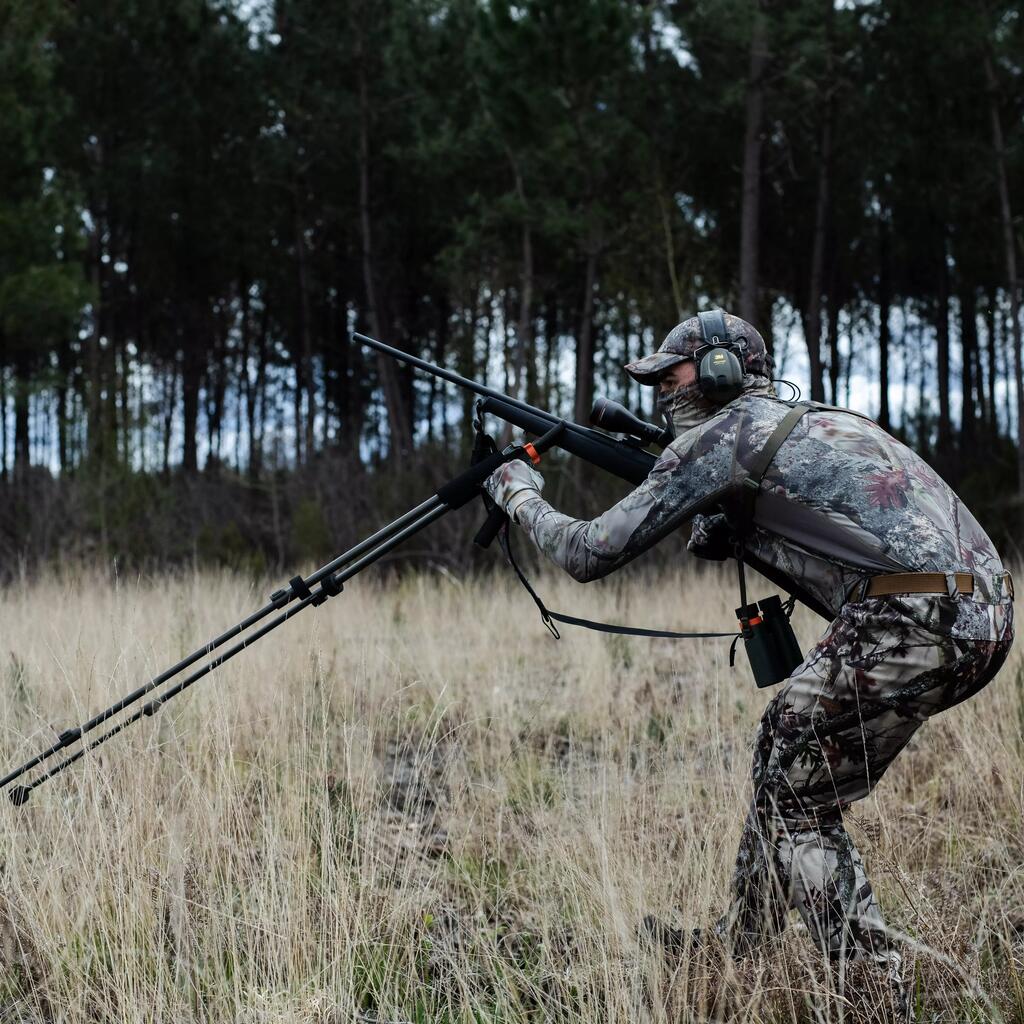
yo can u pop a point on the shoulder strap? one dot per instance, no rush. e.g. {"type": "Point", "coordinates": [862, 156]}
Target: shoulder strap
{"type": "Point", "coordinates": [751, 482]}
{"type": "Point", "coordinates": [774, 442]}
{"type": "Point", "coordinates": [750, 486]}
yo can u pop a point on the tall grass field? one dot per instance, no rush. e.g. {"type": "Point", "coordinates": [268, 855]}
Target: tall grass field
{"type": "Point", "coordinates": [413, 804]}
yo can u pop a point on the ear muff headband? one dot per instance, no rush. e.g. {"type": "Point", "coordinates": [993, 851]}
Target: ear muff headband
{"type": "Point", "coordinates": [720, 372]}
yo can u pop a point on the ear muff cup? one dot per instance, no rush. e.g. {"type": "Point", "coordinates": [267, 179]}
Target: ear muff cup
{"type": "Point", "coordinates": [720, 372]}
{"type": "Point", "coordinates": [720, 375]}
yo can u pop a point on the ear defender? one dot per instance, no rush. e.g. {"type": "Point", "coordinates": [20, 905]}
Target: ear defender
{"type": "Point", "coordinates": [720, 372]}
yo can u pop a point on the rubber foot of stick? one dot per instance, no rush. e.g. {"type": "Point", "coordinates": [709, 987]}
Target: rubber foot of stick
{"type": "Point", "coordinates": [20, 795]}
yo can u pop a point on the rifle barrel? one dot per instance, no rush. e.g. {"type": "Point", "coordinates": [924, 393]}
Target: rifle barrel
{"type": "Point", "coordinates": [480, 389]}
{"type": "Point", "coordinates": [600, 449]}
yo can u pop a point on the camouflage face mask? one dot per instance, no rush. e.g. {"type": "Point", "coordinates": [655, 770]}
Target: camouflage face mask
{"type": "Point", "coordinates": [684, 408]}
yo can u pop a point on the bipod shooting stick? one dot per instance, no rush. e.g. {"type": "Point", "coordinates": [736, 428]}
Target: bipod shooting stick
{"type": "Point", "coordinates": [300, 593]}
{"type": "Point", "coordinates": [623, 457]}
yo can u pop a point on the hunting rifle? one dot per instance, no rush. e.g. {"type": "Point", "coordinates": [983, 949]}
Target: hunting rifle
{"type": "Point", "coordinates": [623, 458]}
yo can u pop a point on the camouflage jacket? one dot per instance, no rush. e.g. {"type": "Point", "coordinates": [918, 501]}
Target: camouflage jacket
{"type": "Point", "coordinates": [841, 501]}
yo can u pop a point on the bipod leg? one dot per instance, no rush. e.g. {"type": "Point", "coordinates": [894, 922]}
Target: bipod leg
{"type": "Point", "coordinates": [326, 577]}
{"type": "Point", "coordinates": [452, 495]}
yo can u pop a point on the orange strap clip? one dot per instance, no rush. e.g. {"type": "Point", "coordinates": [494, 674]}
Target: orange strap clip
{"type": "Point", "coordinates": [532, 452]}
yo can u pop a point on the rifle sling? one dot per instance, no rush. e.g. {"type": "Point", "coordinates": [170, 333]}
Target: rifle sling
{"type": "Point", "coordinates": [744, 489]}
{"type": "Point", "coordinates": [549, 617]}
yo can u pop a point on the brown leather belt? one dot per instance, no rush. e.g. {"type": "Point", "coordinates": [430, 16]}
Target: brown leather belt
{"type": "Point", "coordinates": [917, 583]}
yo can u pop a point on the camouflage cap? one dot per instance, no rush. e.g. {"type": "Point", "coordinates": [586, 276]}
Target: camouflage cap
{"type": "Point", "coordinates": [684, 338]}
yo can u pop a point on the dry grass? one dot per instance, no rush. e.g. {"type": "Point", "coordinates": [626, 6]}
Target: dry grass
{"type": "Point", "coordinates": [412, 804]}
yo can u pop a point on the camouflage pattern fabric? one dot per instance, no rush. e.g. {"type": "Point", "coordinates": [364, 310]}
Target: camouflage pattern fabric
{"type": "Point", "coordinates": [825, 740]}
{"type": "Point", "coordinates": [842, 501]}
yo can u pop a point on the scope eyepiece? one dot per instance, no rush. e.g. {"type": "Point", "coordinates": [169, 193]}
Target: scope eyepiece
{"type": "Point", "coordinates": [612, 416]}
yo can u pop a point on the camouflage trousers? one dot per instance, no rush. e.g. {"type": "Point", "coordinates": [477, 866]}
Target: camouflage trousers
{"type": "Point", "coordinates": [824, 741]}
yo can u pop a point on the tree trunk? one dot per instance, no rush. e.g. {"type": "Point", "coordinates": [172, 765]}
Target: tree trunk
{"type": "Point", "coordinates": [942, 350]}
{"type": "Point", "coordinates": [352, 393]}
{"type": "Point", "coordinates": [978, 377]}
{"type": "Point", "coordinates": [191, 377]}
{"type": "Point", "coordinates": [811, 320]}
{"type": "Point", "coordinates": [991, 415]}
{"type": "Point", "coordinates": [839, 368]}
{"type": "Point", "coordinates": [524, 321]}
{"type": "Point", "coordinates": [670, 253]}
{"type": "Point", "coordinates": [170, 397]}
{"type": "Point", "coordinates": [122, 370]}
{"type": "Point", "coordinates": [94, 411]}
{"type": "Point", "coordinates": [22, 434]}
{"type": "Point", "coordinates": [305, 383]}
{"type": "Point", "coordinates": [750, 213]}
{"type": "Point", "coordinates": [257, 410]}
{"type": "Point", "coordinates": [440, 357]}
{"type": "Point", "coordinates": [834, 359]}
{"type": "Point", "coordinates": [400, 445]}
{"type": "Point", "coordinates": [215, 394]}
{"type": "Point", "coordinates": [297, 418]}
{"type": "Point", "coordinates": [64, 371]}
{"type": "Point", "coordinates": [111, 383]}
{"type": "Point", "coordinates": [924, 434]}
{"type": "Point", "coordinates": [884, 302]}
{"type": "Point", "coordinates": [466, 357]}
{"type": "Point", "coordinates": [812, 309]}
{"type": "Point", "coordinates": [1009, 260]}
{"type": "Point", "coordinates": [1003, 361]}
{"type": "Point", "coordinates": [968, 349]}
{"type": "Point", "coordinates": [244, 384]}
{"type": "Point", "coordinates": [585, 343]}
{"type": "Point", "coordinates": [549, 390]}
{"type": "Point", "coordinates": [905, 393]}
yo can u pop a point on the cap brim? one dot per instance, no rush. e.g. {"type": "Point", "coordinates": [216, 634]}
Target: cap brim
{"type": "Point", "coordinates": [652, 368]}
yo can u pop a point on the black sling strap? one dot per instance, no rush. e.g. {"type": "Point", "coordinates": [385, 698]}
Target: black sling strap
{"type": "Point", "coordinates": [549, 617]}
{"type": "Point", "coordinates": [774, 443]}
{"type": "Point", "coordinates": [750, 485]}
{"type": "Point", "coordinates": [748, 488]}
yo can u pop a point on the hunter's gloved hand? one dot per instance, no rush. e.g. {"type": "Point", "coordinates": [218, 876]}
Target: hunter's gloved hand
{"type": "Point", "coordinates": [711, 537]}
{"type": "Point", "coordinates": [512, 484]}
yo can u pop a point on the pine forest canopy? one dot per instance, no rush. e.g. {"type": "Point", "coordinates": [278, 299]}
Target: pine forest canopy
{"type": "Point", "coordinates": [202, 199]}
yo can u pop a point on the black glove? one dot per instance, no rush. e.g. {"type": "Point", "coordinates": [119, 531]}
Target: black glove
{"type": "Point", "coordinates": [712, 538]}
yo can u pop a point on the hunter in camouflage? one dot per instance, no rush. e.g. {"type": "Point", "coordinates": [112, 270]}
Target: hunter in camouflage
{"type": "Point", "coordinates": [842, 502]}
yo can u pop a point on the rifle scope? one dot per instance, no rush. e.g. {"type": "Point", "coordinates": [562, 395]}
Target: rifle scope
{"type": "Point", "coordinates": [612, 416]}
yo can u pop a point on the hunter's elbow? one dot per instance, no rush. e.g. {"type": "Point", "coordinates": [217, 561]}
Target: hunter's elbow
{"type": "Point", "coordinates": [589, 569]}
{"type": "Point", "coordinates": [581, 573]}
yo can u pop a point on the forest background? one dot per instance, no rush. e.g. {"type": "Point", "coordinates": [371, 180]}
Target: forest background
{"type": "Point", "coordinates": [201, 199]}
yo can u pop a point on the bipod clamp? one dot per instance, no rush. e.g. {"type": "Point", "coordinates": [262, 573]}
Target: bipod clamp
{"type": "Point", "coordinates": [483, 446]}
{"type": "Point", "coordinates": [330, 586]}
